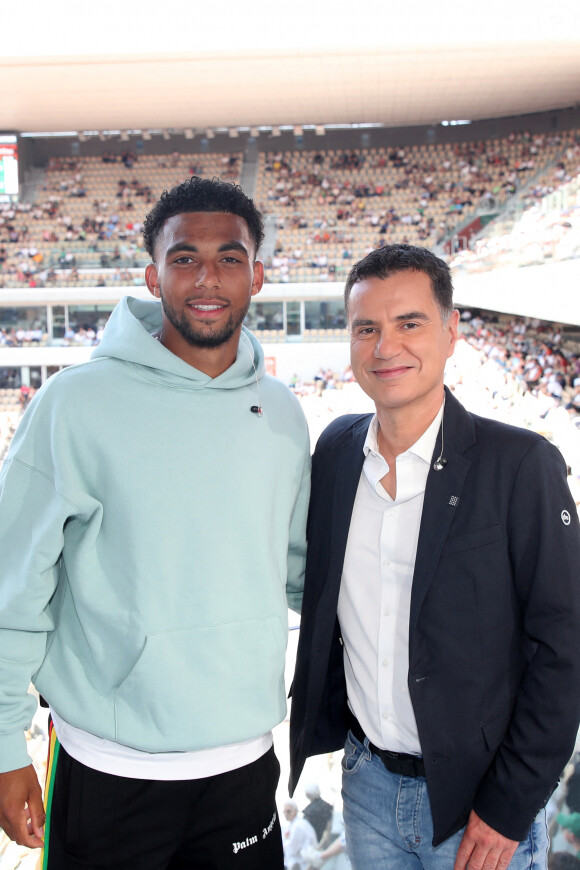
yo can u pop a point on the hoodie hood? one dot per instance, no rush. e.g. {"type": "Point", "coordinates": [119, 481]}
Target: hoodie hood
{"type": "Point", "coordinates": [128, 336]}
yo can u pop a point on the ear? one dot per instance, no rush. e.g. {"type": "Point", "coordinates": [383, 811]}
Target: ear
{"type": "Point", "coordinates": [151, 279]}
{"type": "Point", "coordinates": [258, 279]}
{"type": "Point", "coordinates": [453, 328]}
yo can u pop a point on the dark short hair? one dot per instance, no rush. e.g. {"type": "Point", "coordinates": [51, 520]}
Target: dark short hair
{"type": "Point", "coordinates": [390, 259]}
{"type": "Point", "coordinates": [201, 194]}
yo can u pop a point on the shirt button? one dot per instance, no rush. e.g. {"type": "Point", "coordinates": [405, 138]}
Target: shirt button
{"type": "Point", "coordinates": [386, 663]}
{"type": "Point", "coordinates": [387, 611]}
{"type": "Point", "coordinates": [386, 716]}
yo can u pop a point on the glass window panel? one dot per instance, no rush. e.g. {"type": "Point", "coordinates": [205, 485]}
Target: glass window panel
{"type": "Point", "coordinates": [328, 314]}
{"type": "Point", "coordinates": [86, 323]}
{"type": "Point", "coordinates": [293, 318]}
{"type": "Point", "coordinates": [9, 378]}
{"type": "Point", "coordinates": [88, 316]}
{"type": "Point", "coordinates": [58, 321]}
{"type": "Point", "coordinates": [35, 377]}
{"type": "Point", "coordinates": [265, 315]}
{"type": "Point", "coordinates": [23, 318]}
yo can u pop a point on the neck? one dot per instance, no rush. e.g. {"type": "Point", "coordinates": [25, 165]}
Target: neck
{"type": "Point", "coordinates": [212, 361]}
{"type": "Point", "coordinates": [400, 428]}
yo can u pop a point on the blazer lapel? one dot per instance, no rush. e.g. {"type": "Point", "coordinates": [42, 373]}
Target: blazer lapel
{"type": "Point", "coordinates": [442, 494]}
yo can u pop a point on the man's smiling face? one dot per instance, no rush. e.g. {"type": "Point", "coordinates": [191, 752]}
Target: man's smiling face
{"type": "Point", "coordinates": [399, 341]}
{"type": "Point", "coordinates": [205, 275]}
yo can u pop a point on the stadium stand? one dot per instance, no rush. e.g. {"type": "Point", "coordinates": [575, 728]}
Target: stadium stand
{"type": "Point", "coordinates": [84, 226]}
{"type": "Point", "coordinates": [545, 228]}
{"type": "Point", "coordinates": [330, 207]}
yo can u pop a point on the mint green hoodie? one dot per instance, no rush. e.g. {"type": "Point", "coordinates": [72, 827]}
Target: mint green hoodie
{"type": "Point", "coordinates": [152, 532]}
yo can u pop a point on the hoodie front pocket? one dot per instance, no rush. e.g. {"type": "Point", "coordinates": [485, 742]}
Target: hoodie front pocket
{"type": "Point", "coordinates": [201, 687]}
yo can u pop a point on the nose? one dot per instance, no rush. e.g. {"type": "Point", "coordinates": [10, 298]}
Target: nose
{"type": "Point", "coordinates": [207, 278]}
{"type": "Point", "coordinates": [388, 345]}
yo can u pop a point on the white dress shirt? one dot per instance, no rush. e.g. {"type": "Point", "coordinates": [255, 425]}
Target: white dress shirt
{"type": "Point", "coordinates": [375, 591]}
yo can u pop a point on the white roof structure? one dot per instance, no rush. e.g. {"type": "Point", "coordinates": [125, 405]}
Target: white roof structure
{"type": "Point", "coordinates": [114, 65]}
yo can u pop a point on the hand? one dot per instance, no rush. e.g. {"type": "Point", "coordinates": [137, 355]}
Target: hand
{"type": "Point", "coordinates": [483, 848]}
{"type": "Point", "coordinates": [21, 810]}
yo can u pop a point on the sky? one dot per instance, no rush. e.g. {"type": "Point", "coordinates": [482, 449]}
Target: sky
{"type": "Point", "coordinates": [62, 27]}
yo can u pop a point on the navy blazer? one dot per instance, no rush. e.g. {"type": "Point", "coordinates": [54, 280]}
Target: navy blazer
{"type": "Point", "coordinates": [494, 634]}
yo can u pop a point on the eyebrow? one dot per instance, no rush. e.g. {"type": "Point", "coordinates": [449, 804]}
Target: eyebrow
{"type": "Point", "coordinates": [360, 322]}
{"type": "Point", "coordinates": [226, 246]}
{"type": "Point", "coordinates": [413, 315]}
{"type": "Point", "coordinates": [400, 318]}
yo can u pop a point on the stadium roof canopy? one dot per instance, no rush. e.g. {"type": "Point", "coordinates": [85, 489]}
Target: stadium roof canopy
{"type": "Point", "coordinates": [112, 65]}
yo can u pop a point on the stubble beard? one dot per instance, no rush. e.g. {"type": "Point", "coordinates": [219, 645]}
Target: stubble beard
{"type": "Point", "coordinates": [207, 337]}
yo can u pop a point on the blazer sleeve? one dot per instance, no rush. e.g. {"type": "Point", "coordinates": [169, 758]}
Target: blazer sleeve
{"type": "Point", "coordinates": [544, 543]}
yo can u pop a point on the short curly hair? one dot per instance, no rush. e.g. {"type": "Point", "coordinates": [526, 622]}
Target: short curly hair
{"type": "Point", "coordinates": [201, 194]}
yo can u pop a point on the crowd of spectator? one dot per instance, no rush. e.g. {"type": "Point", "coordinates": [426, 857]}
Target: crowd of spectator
{"type": "Point", "coordinates": [86, 335]}
{"type": "Point", "coordinates": [88, 212]}
{"type": "Point", "coordinates": [527, 359]}
{"type": "Point", "coordinates": [331, 207]}
{"type": "Point", "coordinates": [563, 170]}
{"type": "Point", "coordinates": [20, 337]}
{"type": "Point", "coordinates": [547, 229]}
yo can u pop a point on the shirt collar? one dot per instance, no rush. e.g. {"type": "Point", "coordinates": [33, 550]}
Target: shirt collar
{"type": "Point", "coordinates": [423, 446]}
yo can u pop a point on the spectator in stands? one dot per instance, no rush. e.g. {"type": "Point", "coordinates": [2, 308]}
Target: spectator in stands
{"type": "Point", "coordinates": [318, 812]}
{"type": "Point", "coordinates": [26, 393]}
{"type": "Point", "coordinates": [571, 826]}
{"type": "Point", "coordinates": [298, 835]}
{"type": "Point", "coordinates": [573, 789]}
{"type": "Point", "coordinates": [338, 847]}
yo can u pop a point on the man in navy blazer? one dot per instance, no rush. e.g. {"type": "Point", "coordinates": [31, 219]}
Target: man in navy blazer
{"type": "Point", "coordinates": [441, 614]}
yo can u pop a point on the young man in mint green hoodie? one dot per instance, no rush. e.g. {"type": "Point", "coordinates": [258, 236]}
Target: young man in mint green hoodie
{"type": "Point", "coordinates": [152, 530]}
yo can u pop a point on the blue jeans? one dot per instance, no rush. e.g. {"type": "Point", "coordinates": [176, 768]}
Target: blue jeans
{"type": "Point", "coordinates": [388, 821]}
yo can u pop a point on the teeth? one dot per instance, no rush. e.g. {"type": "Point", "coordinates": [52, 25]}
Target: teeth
{"type": "Point", "coordinates": [208, 307]}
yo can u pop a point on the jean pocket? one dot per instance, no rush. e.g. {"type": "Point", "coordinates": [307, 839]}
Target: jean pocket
{"type": "Point", "coordinates": [354, 755]}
